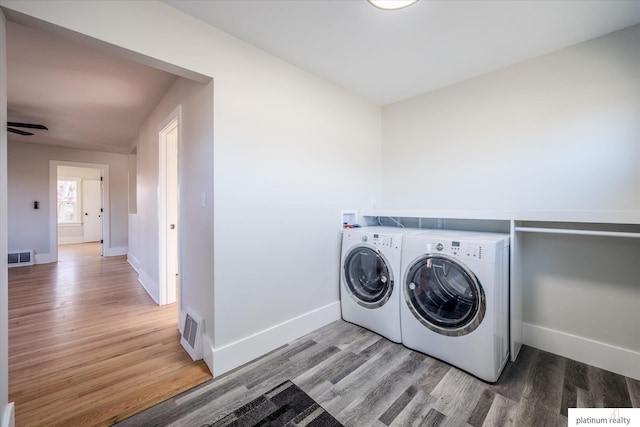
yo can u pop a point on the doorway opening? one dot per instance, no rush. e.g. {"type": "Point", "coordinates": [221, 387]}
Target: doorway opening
{"type": "Point", "coordinates": [143, 235]}
{"type": "Point", "coordinates": [168, 202]}
{"type": "Point", "coordinates": [79, 205]}
{"type": "Point", "coordinates": [79, 200]}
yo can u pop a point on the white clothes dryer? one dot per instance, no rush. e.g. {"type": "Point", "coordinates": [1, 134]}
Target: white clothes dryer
{"type": "Point", "coordinates": [455, 299]}
{"type": "Point", "coordinates": [370, 278]}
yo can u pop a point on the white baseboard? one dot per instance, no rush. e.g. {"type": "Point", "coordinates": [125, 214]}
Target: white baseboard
{"type": "Point", "coordinates": [143, 278]}
{"type": "Point", "coordinates": [207, 352]}
{"type": "Point", "coordinates": [8, 418]}
{"type": "Point", "coordinates": [148, 284]}
{"type": "Point", "coordinates": [134, 262]}
{"type": "Point", "coordinates": [238, 353]}
{"type": "Point", "coordinates": [116, 251]}
{"type": "Point", "coordinates": [69, 240]}
{"type": "Point", "coordinates": [609, 357]}
{"type": "Point", "coordinates": [42, 258]}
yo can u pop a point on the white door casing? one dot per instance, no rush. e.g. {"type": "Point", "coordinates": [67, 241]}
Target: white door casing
{"type": "Point", "coordinates": [168, 199]}
{"type": "Point", "coordinates": [53, 211]}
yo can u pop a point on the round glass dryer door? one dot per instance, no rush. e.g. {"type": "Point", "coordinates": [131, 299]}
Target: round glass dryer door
{"type": "Point", "coordinates": [444, 295]}
{"type": "Point", "coordinates": [368, 277]}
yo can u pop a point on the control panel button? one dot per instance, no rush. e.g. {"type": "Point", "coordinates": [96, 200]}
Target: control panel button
{"type": "Point", "coordinates": [439, 246]}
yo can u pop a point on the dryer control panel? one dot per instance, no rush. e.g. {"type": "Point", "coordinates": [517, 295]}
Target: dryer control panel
{"type": "Point", "coordinates": [379, 240]}
{"type": "Point", "coordinates": [460, 249]}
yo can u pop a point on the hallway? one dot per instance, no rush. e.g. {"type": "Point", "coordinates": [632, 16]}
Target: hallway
{"type": "Point", "coordinates": [87, 345]}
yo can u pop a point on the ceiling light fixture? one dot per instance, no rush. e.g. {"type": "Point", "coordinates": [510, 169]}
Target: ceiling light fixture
{"type": "Point", "coordinates": [391, 4]}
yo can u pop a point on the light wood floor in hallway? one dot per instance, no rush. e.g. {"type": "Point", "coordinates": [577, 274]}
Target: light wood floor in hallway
{"type": "Point", "coordinates": [87, 345]}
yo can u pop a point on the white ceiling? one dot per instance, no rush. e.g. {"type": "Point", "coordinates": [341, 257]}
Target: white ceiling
{"type": "Point", "coordinates": [387, 56]}
{"type": "Point", "coordinates": [94, 100]}
{"type": "Point", "coordinates": [87, 98]}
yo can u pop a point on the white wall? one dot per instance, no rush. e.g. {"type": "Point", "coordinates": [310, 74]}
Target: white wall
{"type": "Point", "coordinates": [281, 179]}
{"type": "Point", "coordinates": [80, 172]}
{"type": "Point", "coordinates": [583, 286]}
{"type": "Point", "coordinates": [195, 176]}
{"type": "Point", "coordinates": [133, 183]}
{"type": "Point", "coordinates": [135, 239]}
{"type": "Point", "coordinates": [559, 132]}
{"type": "Point", "coordinates": [290, 151]}
{"type": "Point", "coordinates": [6, 409]}
{"type": "Point", "coordinates": [28, 177]}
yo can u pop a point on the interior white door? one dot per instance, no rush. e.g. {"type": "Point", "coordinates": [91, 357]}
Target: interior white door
{"type": "Point", "coordinates": [91, 210]}
{"type": "Point", "coordinates": [172, 214]}
{"type": "Point", "coordinates": [168, 211]}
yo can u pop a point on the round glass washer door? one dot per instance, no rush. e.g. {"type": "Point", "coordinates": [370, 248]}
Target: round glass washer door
{"type": "Point", "coordinates": [444, 295]}
{"type": "Point", "coordinates": [367, 277]}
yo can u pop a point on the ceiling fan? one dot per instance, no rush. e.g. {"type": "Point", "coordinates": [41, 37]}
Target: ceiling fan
{"type": "Point", "coordinates": [11, 127]}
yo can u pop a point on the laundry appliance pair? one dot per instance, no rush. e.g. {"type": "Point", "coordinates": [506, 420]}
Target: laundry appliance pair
{"type": "Point", "coordinates": [441, 292]}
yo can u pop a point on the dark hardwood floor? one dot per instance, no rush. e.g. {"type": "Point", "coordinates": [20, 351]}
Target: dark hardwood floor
{"type": "Point", "coordinates": [365, 380]}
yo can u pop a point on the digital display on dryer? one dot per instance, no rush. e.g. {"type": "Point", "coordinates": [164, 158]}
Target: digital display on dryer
{"type": "Point", "coordinates": [455, 244]}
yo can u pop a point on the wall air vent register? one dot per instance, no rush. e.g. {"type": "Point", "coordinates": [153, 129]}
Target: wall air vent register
{"type": "Point", "coordinates": [20, 258]}
{"type": "Point", "coordinates": [192, 334]}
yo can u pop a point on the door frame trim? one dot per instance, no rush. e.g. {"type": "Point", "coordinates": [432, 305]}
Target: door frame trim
{"type": "Point", "coordinates": [174, 117]}
{"type": "Point", "coordinates": [53, 203]}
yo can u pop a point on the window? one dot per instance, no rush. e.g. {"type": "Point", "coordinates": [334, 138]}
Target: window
{"type": "Point", "coordinates": [68, 201]}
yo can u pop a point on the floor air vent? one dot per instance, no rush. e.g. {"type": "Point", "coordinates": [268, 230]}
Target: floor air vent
{"type": "Point", "coordinates": [191, 334]}
{"type": "Point", "coordinates": [20, 258]}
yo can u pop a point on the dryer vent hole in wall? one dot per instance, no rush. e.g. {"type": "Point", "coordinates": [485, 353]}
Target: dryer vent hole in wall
{"type": "Point", "coordinates": [20, 258]}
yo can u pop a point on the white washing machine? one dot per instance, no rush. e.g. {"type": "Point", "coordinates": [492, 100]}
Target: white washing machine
{"type": "Point", "coordinates": [455, 299]}
{"type": "Point", "coordinates": [370, 278]}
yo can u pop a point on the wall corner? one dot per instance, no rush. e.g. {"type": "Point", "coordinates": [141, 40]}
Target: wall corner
{"type": "Point", "coordinates": [8, 417]}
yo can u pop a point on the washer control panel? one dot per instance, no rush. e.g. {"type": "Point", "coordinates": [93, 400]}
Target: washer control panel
{"type": "Point", "coordinates": [459, 249]}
